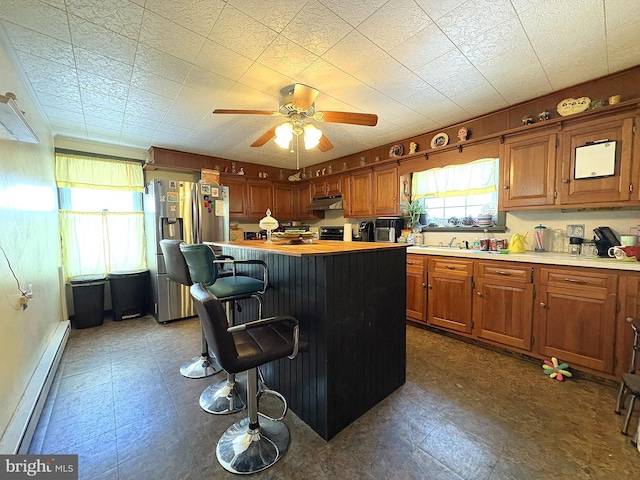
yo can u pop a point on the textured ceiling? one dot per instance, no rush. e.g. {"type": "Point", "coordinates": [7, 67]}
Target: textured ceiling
{"type": "Point", "coordinates": [149, 72]}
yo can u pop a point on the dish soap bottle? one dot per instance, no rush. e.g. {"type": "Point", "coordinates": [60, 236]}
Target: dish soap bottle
{"type": "Point", "coordinates": [476, 244]}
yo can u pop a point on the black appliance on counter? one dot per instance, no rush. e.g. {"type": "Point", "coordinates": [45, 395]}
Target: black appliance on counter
{"type": "Point", "coordinates": [366, 231]}
{"type": "Point", "coordinates": [332, 233]}
{"type": "Point", "coordinates": [388, 229]}
{"type": "Point", "coordinates": [606, 238]}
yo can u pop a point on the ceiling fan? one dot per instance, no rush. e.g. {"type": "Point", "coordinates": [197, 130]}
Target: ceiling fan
{"type": "Point", "coordinates": [297, 103]}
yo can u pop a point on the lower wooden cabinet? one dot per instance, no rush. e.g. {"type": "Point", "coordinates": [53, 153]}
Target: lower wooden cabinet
{"type": "Point", "coordinates": [449, 292]}
{"type": "Point", "coordinates": [503, 303]}
{"type": "Point", "coordinates": [417, 288]}
{"type": "Point", "coordinates": [576, 312]}
{"type": "Point", "coordinates": [571, 313]}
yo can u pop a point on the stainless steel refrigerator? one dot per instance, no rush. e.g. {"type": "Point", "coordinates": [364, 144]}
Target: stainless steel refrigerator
{"type": "Point", "coordinates": [193, 212]}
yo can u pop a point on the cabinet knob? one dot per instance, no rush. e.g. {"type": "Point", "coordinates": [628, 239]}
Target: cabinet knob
{"type": "Point", "coordinates": [629, 319]}
{"type": "Point", "coordinates": [565, 180]}
{"type": "Point", "coordinates": [429, 285]}
{"type": "Point", "coordinates": [506, 187]}
{"type": "Point", "coordinates": [543, 305]}
{"type": "Point", "coordinates": [424, 284]}
{"type": "Point", "coordinates": [479, 293]}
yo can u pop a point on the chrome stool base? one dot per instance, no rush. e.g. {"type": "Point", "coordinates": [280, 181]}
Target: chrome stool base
{"type": "Point", "coordinates": [222, 398]}
{"type": "Point", "coordinates": [200, 367]}
{"type": "Point", "coordinates": [243, 450]}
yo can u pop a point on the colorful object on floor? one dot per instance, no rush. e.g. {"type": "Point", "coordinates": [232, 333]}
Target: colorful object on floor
{"type": "Point", "coordinates": [555, 370]}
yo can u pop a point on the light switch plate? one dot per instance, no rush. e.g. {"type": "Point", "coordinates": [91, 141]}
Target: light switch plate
{"type": "Point", "coordinates": [575, 231]}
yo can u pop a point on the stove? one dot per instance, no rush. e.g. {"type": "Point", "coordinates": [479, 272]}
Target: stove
{"type": "Point", "coordinates": [332, 233]}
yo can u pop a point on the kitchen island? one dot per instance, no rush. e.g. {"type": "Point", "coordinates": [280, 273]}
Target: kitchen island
{"type": "Point", "coordinates": [350, 300]}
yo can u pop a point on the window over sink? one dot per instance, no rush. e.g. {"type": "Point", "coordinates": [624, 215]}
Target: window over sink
{"type": "Point", "coordinates": [460, 195]}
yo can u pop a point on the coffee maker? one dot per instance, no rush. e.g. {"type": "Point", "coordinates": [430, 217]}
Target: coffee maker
{"type": "Point", "coordinates": [365, 231]}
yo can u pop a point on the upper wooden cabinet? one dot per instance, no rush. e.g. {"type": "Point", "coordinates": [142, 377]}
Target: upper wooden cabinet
{"type": "Point", "coordinates": [528, 166]}
{"type": "Point", "coordinates": [259, 198]}
{"type": "Point", "coordinates": [284, 200]}
{"type": "Point", "coordinates": [538, 168]}
{"type": "Point", "coordinates": [358, 201]}
{"type": "Point", "coordinates": [386, 191]}
{"type": "Point", "coordinates": [614, 188]}
{"type": "Point", "coordinates": [237, 196]}
{"type": "Point", "coordinates": [326, 186]}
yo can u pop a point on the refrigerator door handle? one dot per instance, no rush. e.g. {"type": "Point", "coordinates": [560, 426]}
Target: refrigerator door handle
{"type": "Point", "coordinates": [195, 211]}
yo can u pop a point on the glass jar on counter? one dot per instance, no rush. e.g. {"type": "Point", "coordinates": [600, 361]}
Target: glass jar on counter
{"type": "Point", "coordinates": [418, 239]}
{"type": "Point", "coordinates": [575, 246]}
{"type": "Point", "coordinates": [588, 250]}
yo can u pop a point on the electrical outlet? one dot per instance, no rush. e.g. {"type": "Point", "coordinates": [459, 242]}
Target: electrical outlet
{"type": "Point", "coordinates": [575, 231]}
{"type": "Point", "coordinates": [21, 302]}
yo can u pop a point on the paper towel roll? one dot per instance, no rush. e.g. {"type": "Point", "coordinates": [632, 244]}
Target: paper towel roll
{"type": "Point", "coordinates": [348, 231]}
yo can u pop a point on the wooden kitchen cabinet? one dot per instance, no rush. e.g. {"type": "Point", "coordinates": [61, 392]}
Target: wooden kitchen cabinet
{"type": "Point", "coordinates": [326, 186]}
{"type": "Point", "coordinates": [302, 199]}
{"type": "Point", "coordinates": [449, 291]}
{"type": "Point", "coordinates": [629, 296]}
{"type": "Point", "coordinates": [611, 189]}
{"type": "Point", "coordinates": [503, 303]}
{"type": "Point", "coordinates": [386, 191]}
{"type": "Point", "coordinates": [237, 196]}
{"type": "Point", "coordinates": [528, 164]}
{"type": "Point", "coordinates": [576, 313]}
{"type": "Point", "coordinates": [417, 288]}
{"type": "Point", "coordinates": [259, 198]}
{"type": "Point", "coordinates": [284, 198]}
{"type": "Point", "coordinates": [359, 196]}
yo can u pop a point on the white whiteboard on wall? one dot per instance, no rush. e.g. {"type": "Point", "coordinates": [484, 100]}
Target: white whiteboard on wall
{"type": "Point", "coordinates": [595, 160]}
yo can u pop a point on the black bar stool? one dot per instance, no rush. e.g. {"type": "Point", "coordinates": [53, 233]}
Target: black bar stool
{"type": "Point", "coordinates": [228, 287]}
{"type": "Point", "coordinates": [251, 444]}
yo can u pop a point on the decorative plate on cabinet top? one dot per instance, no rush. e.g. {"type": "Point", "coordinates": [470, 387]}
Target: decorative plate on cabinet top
{"type": "Point", "coordinates": [439, 140]}
{"type": "Point", "coordinates": [396, 151]}
{"type": "Point", "coordinates": [569, 106]}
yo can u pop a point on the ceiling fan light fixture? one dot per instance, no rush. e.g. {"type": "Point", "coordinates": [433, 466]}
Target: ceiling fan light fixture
{"type": "Point", "coordinates": [284, 134]}
{"type": "Point", "coordinates": [312, 136]}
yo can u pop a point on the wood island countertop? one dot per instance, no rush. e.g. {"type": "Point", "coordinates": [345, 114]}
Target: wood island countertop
{"type": "Point", "coordinates": [315, 248]}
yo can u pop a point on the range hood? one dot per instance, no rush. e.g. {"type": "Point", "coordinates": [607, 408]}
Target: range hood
{"type": "Point", "coordinates": [326, 203]}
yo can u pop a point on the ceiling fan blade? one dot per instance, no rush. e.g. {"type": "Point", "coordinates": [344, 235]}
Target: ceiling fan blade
{"type": "Point", "coordinates": [268, 135]}
{"type": "Point", "coordinates": [324, 144]}
{"type": "Point", "coordinates": [366, 119]}
{"type": "Point", "coordinates": [246, 112]}
{"type": "Point", "coordinates": [303, 96]}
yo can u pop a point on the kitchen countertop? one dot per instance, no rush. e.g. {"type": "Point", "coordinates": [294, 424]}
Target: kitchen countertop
{"type": "Point", "coordinates": [315, 248]}
{"type": "Point", "coordinates": [548, 258]}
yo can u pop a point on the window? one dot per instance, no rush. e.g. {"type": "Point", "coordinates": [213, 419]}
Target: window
{"type": "Point", "coordinates": [457, 192]}
{"type": "Point", "coordinates": [101, 217]}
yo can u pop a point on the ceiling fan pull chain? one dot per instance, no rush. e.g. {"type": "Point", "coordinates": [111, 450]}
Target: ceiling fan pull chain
{"type": "Point", "coordinates": [297, 152]}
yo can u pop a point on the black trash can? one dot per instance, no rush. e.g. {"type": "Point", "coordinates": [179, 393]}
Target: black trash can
{"type": "Point", "coordinates": [88, 300]}
{"type": "Point", "coordinates": [129, 293]}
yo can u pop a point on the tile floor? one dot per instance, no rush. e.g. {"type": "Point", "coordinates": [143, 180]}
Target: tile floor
{"type": "Point", "coordinates": [119, 401]}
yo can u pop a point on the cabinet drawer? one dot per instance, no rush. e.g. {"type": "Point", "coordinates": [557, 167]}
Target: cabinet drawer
{"type": "Point", "coordinates": [415, 261]}
{"type": "Point", "coordinates": [501, 271]}
{"type": "Point", "coordinates": [450, 265]}
{"type": "Point", "coordinates": [571, 278]}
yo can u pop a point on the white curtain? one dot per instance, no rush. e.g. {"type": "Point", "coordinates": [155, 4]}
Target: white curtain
{"type": "Point", "coordinates": [102, 240]}
{"type": "Point", "coordinates": [456, 180]}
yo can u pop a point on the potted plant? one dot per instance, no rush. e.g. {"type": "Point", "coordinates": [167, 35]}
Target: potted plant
{"type": "Point", "coordinates": [415, 209]}
{"type": "Point", "coordinates": [468, 221]}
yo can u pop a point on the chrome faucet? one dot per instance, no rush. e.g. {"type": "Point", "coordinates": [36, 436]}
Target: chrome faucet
{"type": "Point", "coordinates": [451, 241]}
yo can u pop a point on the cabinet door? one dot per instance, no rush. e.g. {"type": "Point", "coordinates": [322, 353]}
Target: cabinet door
{"type": "Point", "coordinates": [260, 196]}
{"type": "Point", "coordinates": [503, 306]}
{"type": "Point", "coordinates": [386, 191]}
{"type": "Point", "coordinates": [283, 201]}
{"type": "Point", "coordinates": [302, 201]}
{"type": "Point", "coordinates": [630, 298]}
{"type": "Point", "coordinates": [237, 197]}
{"type": "Point", "coordinates": [416, 288]}
{"type": "Point", "coordinates": [528, 171]}
{"type": "Point", "coordinates": [318, 187]}
{"type": "Point", "coordinates": [449, 292]}
{"type": "Point", "coordinates": [576, 318]}
{"type": "Point", "coordinates": [333, 185]}
{"type": "Point", "coordinates": [615, 188]}
{"type": "Point", "coordinates": [360, 195]}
